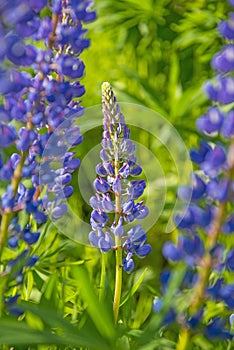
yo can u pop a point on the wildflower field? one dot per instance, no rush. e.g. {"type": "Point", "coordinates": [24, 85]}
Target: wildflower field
{"type": "Point", "coordinates": [116, 175]}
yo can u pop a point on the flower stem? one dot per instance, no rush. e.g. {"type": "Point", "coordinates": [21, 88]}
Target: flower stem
{"type": "Point", "coordinates": [7, 214]}
{"type": "Point", "coordinates": [103, 277]}
{"type": "Point", "coordinates": [183, 340]}
{"type": "Point", "coordinates": [118, 254]}
{"type": "Point", "coordinates": [118, 278]}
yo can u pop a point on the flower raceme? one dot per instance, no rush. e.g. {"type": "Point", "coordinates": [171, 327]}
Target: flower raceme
{"type": "Point", "coordinates": [40, 89]}
{"type": "Point", "coordinates": [202, 242]}
{"type": "Point", "coordinates": [115, 201]}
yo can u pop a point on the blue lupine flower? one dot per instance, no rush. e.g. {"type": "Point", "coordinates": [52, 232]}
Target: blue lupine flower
{"type": "Point", "coordinates": [36, 103]}
{"type": "Point", "coordinates": [209, 214]}
{"type": "Point", "coordinates": [114, 181]}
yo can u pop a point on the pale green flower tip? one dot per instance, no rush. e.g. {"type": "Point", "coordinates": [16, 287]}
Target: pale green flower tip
{"type": "Point", "coordinates": [106, 87]}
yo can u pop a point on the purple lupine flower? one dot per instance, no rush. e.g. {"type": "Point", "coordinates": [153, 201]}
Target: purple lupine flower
{"type": "Point", "coordinates": [209, 215]}
{"type": "Point", "coordinates": [116, 192]}
{"type": "Point", "coordinates": [38, 112]}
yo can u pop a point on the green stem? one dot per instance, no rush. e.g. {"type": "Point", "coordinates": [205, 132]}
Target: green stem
{"type": "Point", "coordinates": [118, 278]}
{"type": "Point", "coordinates": [183, 341]}
{"type": "Point", "coordinates": [103, 277]}
{"type": "Point", "coordinates": [118, 255]}
{"type": "Point", "coordinates": [7, 215]}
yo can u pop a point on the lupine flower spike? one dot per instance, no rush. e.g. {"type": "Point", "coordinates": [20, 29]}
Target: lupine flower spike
{"type": "Point", "coordinates": [209, 216]}
{"type": "Point", "coordinates": [115, 202]}
{"type": "Point", "coordinates": [39, 95]}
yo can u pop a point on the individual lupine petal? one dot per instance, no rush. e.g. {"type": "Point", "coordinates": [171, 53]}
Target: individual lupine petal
{"type": "Point", "coordinates": [140, 211]}
{"type": "Point", "coordinates": [226, 294]}
{"type": "Point", "coordinates": [7, 135]}
{"type": "Point", "coordinates": [128, 206]}
{"type": "Point", "coordinates": [214, 161]}
{"type": "Point", "coordinates": [30, 237]}
{"type": "Point", "coordinates": [229, 263]}
{"type": "Point", "coordinates": [73, 136]}
{"type": "Point", "coordinates": [26, 137]}
{"type": "Point", "coordinates": [15, 49]}
{"type": "Point", "coordinates": [124, 171]}
{"type": "Point", "coordinates": [137, 235]}
{"type": "Point", "coordinates": [59, 211]}
{"type": "Point", "coordinates": [32, 260]}
{"type": "Point", "coordinates": [128, 263]}
{"type": "Point", "coordinates": [231, 320]}
{"type": "Point", "coordinates": [13, 81]}
{"type": "Point", "coordinates": [71, 164]}
{"type": "Point", "coordinates": [195, 192]}
{"type": "Point", "coordinates": [135, 170]}
{"type": "Point", "coordinates": [129, 217]}
{"type": "Point", "coordinates": [11, 300]}
{"type": "Point", "coordinates": [191, 248]}
{"type": "Point", "coordinates": [127, 147]}
{"type": "Point", "coordinates": [8, 199]}
{"type": "Point", "coordinates": [218, 190]}
{"type": "Point", "coordinates": [100, 170]}
{"type": "Point", "coordinates": [143, 250]}
{"type": "Point", "coordinates": [63, 179]}
{"type": "Point", "coordinates": [193, 217]}
{"type": "Point", "coordinates": [107, 204]}
{"type": "Point", "coordinates": [211, 122]}
{"type": "Point", "coordinates": [109, 168]}
{"type": "Point", "coordinates": [68, 191]}
{"type": "Point", "coordinates": [198, 156]}
{"type": "Point", "coordinates": [193, 321]}
{"type": "Point", "coordinates": [222, 90]}
{"type": "Point", "coordinates": [216, 330]}
{"type": "Point", "coordinates": [226, 28]}
{"type": "Point", "coordinates": [93, 239]}
{"type": "Point", "coordinates": [105, 243]}
{"type": "Point", "coordinates": [228, 226]}
{"type": "Point", "coordinates": [57, 7]}
{"type": "Point", "coordinates": [107, 143]}
{"type": "Point", "coordinates": [224, 61]}
{"type": "Point", "coordinates": [169, 317]}
{"type": "Point", "coordinates": [70, 66]}
{"type": "Point", "coordinates": [137, 188]}
{"type": "Point", "coordinates": [116, 186]}
{"type": "Point", "coordinates": [171, 252]}
{"type": "Point", "coordinates": [99, 217]}
{"type": "Point", "coordinates": [164, 280]}
{"type": "Point", "coordinates": [4, 115]}
{"type": "Point", "coordinates": [227, 129]}
{"type": "Point", "coordinates": [40, 216]}
{"type": "Point", "coordinates": [95, 202]}
{"type": "Point", "coordinates": [104, 156]}
{"type": "Point", "coordinates": [13, 242]}
{"type": "Point", "coordinates": [101, 185]}
{"type": "Point", "coordinates": [157, 304]}
{"type": "Point", "coordinates": [118, 229]}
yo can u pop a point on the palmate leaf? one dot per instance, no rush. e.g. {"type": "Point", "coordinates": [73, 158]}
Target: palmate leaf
{"type": "Point", "coordinates": [13, 332]}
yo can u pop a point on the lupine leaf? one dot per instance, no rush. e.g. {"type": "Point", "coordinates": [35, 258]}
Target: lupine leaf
{"type": "Point", "coordinates": [99, 313]}
{"type": "Point", "coordinates": [134, 287]}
